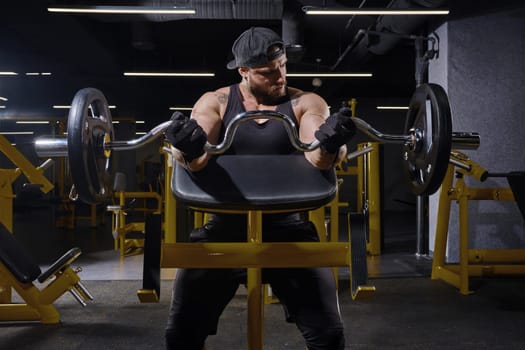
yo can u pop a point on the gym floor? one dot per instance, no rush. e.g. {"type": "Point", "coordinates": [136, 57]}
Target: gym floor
{"type": "Point", "coordinates": [408, 310]}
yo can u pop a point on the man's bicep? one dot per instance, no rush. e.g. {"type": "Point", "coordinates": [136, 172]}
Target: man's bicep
{"type": "Point", "coordinates": [313, 116]}
{"type": "Point", "coordinates": [206, 112]}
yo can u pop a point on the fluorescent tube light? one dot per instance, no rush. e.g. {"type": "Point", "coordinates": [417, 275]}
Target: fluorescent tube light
{"type": "Point", "coordinates": [392, 107]}
{"type": "Point", "coordinates": [3, 98]}
{"type": "Point", "coordinates": [124, 10]}
{"type": "Point", "coordinates": [372, 11]}
{"type": "Point", "coordinates": [2, 107]}
{"type": "Point", "coordinates": [38, 73]}
{"type": "Point", "coordinates": [328, 75]}
{"type": "Point", "coordinates": [69, 106]}
{"type": "Point", "coordinates": [16, 133]}
{"type": "Point", "coordinates": [8, 73]}
{"type": "Point", "coordinates": [181, 108]}
{"type": "Point", "coordinates": [32, 122]}
{"type": "Point", "coordinates": [167, 74]}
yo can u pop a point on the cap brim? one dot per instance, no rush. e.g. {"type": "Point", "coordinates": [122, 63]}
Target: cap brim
{"type": "Point", "coordinates": [231, 65]}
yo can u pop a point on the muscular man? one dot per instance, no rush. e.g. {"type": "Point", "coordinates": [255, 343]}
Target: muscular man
{"type": "Point", "coordinates": [308, 295]}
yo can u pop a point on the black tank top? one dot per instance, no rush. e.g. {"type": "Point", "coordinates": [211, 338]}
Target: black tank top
{"type": "Point", "coordinates": [269, 137]}
{"type": "Point", "coordinates": [251, 137]}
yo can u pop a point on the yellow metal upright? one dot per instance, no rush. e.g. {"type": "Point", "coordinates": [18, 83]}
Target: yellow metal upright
{"type": "Point", "coordinates": [7, 177]}
{"type": "Point", "coordinates": [372, 188]}
{"type": "Point", "coordinates": [472, 262]}
{"type": "Point", "coordinates": [170, 205]}
{"type": "Point", "coordinates": [255, 291]}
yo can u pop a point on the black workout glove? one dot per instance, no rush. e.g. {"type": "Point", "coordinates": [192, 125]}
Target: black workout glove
{"type": "Point", "coordinates": [336, 131]}
{"type": "Point", "coordinates": [187, 136]}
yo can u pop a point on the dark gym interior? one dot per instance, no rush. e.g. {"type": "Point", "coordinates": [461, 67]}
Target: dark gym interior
{"type": "Point", "coordinates": [447, 268]}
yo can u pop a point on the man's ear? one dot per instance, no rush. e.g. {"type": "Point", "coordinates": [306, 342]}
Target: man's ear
{"type": "Point", "coordinates": [243, 71]}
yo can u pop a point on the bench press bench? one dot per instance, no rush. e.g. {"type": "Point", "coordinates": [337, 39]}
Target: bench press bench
{"type": "Point", "coordinates": [20, 272]}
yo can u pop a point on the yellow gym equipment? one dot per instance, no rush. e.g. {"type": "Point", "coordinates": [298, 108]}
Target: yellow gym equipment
{"type": "Point", "coordinates": [427, 142]}
{"type": "Point", "coordinates": [19, 272]}
{"type": "Point", "coordinates": [261, 189]}
{"type": "Point", "coordinates": [17, 269]}
{"type": "Point", "coordinates": [472, 262]}
{"type": "Point", "coordinates": [35, 175]}
{"type": "Point", "coordinates": [120, 228]}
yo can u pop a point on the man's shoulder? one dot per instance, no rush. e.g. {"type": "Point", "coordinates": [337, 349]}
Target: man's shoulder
{"type": "Point", "coordinates": [299, 95]}
{"type": "Point", "coordinates": [217, 95]}
{"type": "Point", "coordinates": [223, 90]}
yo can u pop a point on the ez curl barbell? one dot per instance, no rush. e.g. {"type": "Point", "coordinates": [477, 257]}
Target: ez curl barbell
{"type": "Point", "coordinates": [427, 141]}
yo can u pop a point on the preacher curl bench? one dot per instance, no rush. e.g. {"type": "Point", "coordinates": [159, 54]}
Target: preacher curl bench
{"type": "Point", "coordinates": [254, 185]}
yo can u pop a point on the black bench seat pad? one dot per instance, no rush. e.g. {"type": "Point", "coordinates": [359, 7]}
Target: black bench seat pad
{"type": "Point", "coordinates": [16, 258]}
{"type": "Point", "coordinates": [254, 182]}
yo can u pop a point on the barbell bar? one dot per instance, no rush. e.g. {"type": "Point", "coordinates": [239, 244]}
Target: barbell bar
{"type": "Point", "coordinates": [427, 141]}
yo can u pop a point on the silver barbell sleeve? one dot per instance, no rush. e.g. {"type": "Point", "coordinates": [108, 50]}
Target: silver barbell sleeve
{"type": "Point", "coordinates": [460, 140]}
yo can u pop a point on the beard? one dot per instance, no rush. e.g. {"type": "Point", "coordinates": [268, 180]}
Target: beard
{"type": "Point", "coordinates": [270, 96]}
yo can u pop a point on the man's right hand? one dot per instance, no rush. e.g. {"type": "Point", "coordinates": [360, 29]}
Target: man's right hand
{"type": "Point", "coordinates": [187, 136]}
{"type": "Point", "coordinates": [336, 131]}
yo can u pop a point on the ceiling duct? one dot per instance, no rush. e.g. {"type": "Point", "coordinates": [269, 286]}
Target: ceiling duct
{"type": "Point", "coordinates": [293, 31]}
{"type": "Point", "coordinates": [364, 45]}
{"type": "Point", "coordinates": [289, 12]}
{"type": "Point", "coordinates": [218, 9]}
{"type": "Point", "coordinates": [403, 25]}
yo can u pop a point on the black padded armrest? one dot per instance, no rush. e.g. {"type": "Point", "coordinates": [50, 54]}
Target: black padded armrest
{"type": "Point", "coordinates": [16, 259]}
{"type": "Point", "coordinates": [255, 182]}
{"type": "Point", "coordinates": [64, 261]}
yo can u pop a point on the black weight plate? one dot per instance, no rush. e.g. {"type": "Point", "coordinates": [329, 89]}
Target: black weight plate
{"type": "Point", "coordinates": [88, 123]}
{"type": "Point", "coordinates": [425, 165]}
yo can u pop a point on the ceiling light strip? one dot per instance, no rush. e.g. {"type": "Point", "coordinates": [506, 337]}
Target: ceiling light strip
{"type": "Point", "coordinates": [32, 122]}
{"type": "Point", "coordinates": [329, 75]}
{"type": "Point", "coordinates": [16, 132]}
{"type": "Point", "coordinates": [373, 12]}
{"type": "Point", "coordinates": [38, 73]}
{"type": "Point", "coordinates": [69, 106]}
{"type": "Point", "coordinates": [124, 10]}
{"type": "Point", "coordinates": [181, 108]}
{"type": "Point", "coordinates": [392, 107]}
{"type": "Point", "coordinates": [3, 98]}
{"type": "Point", "coordinates": [168, 74]}
{"type": "Point", "coordinates": [8, 73]}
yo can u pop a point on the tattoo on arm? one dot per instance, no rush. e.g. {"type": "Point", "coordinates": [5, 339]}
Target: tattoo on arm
{"type": "Point", "coordinates": [222, 98]}
{"type": "Point", "coordinates": [295, 101]}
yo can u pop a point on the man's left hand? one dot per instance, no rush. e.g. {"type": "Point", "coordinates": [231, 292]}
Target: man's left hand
{"type": "Point", "coordinates": [336, 131]}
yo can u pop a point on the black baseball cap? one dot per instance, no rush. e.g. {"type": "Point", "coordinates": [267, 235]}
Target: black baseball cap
{"type": "Point", "coordinates": [251, 48]}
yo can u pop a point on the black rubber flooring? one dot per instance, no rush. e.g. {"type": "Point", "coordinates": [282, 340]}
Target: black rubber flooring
{"type": "Point", "coordinates": [405, 313]}
{"type": "Point", "coordinates": [408, 311]}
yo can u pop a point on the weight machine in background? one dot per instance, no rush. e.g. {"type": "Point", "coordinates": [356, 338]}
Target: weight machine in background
{"type": "Point", "coordinates": [35, 176]}
{"type": "Point", "coordinates": [474, 262]}
{"type": "Point", "coordinates": [18, 271]}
